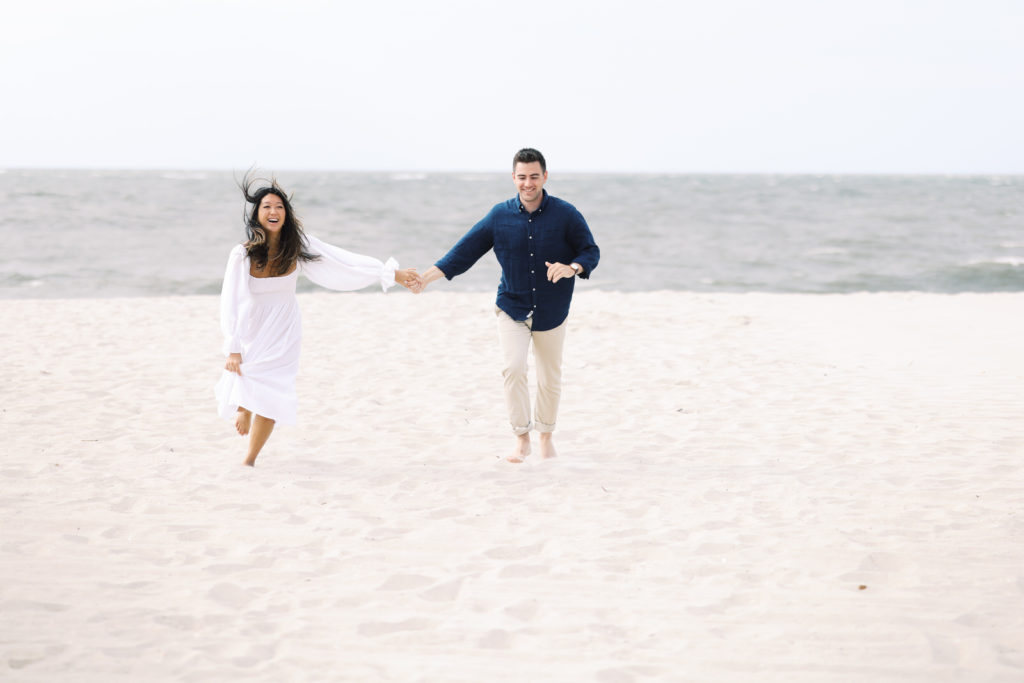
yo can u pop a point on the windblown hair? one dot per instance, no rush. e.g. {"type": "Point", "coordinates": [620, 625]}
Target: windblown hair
{"type": "Point", "coordinates": [293, 244]}
{"type": "Point", "coordinates": [528, 155]}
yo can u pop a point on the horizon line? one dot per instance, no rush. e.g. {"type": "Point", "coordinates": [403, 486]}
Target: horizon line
{"type": "Point", "coordinates": [422, 171]}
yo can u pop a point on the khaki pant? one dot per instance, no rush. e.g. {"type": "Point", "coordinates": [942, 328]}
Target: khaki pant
{"type": "Point", "coordinates": [515, 340]}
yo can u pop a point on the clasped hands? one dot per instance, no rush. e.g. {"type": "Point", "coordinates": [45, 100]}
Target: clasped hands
{"type": "Point", "coordinates": [410, 279]}
{"type": "Point", "coordinates": [416, 283]}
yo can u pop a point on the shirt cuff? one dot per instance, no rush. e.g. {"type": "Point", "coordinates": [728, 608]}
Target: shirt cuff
{"type": "Point", "coordinates": [387, 274]}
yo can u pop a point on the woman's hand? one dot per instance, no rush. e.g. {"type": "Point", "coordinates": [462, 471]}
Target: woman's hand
{"type": "Point", "coordinates": [234, 363]}
{"type": "Point", "coordinates": [409, 279]}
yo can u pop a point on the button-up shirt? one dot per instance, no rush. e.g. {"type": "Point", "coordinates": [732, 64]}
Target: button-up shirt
{"type": "Point", "coordinates": [522, 241]}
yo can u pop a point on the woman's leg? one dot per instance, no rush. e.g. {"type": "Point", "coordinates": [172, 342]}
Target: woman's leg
{"type": "Point", "coordinates": [243, 420]}
{"type": "Point", "coordinates": [258, 435]}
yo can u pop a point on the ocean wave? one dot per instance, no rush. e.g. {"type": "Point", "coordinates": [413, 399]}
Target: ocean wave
{"type": "Point", "coordinates": [21, 281]}
{"type": "Point", "coordinates": [983, 276]}
{"type": "Point", "coordinates": [182, 175]}
{"type": "Point", "coordinates": [999, 261]}
{"type": "Point", "coordinates": [826, 251]}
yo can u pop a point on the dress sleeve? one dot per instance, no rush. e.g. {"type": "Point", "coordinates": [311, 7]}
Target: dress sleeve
{"type": "Point", "coordinates": [344, 270]}
{"type": "Point", "coordinates": [234, 294]}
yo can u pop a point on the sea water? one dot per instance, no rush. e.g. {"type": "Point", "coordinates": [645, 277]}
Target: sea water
{"type": "Point", "coordinates": [80, 233]}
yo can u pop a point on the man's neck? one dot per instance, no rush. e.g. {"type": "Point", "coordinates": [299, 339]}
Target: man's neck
{"type": "Point", "coordinates": [532, 206]}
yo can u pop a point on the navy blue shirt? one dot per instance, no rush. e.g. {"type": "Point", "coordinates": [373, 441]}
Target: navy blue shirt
{"type": "Point", "coordinates": [522, 242]}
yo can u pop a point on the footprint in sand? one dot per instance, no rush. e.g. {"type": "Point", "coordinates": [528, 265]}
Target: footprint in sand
{"type": "Point", "coordinates": [446, 592]}
{"type": "Point", "coordinates": [194, 535]}
{"type": "Point", "coordinates": [230, 595]}
{"type": "Point", "coordinates": [373, 629]}
{"type": "Point", "coordinates": [11, 606]}
{"type": "Point", "coordinates": [226, 568]}
{"type": "Point", "coordinates": [496, 639]}
{"type": "Point", "coordinates": [523, 571]}
{"type": "Point", "coordinates": [523, 611]}
{"type": "Point", "coordinates": [445, 513]}
{"type": "Point", "coordinates": [509, 552]}
{"type": "Point", "coordinates": [402, 582]}
{"type": "Point", "coordinates": [126, 504]}
{"type": "Point", "coordinates": [181, 622]}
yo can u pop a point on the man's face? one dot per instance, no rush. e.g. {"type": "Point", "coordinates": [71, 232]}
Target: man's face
{"type": "Point", "coordinates": [529, 180]}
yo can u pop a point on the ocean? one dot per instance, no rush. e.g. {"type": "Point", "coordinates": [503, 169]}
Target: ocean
{"type": "Point", "coordinates": [81, 233]}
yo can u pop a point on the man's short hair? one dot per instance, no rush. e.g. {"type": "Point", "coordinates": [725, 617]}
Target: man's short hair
{"type": "Point", "coordinates": [528, 155]}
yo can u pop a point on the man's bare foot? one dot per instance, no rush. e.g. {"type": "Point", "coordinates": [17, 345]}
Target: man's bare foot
{"type": "Point", "coordinates": [243, 420]}
{"type": "Point", "coordinates": [547, 446]}
{"type": "Point", "coordinates": [522, 448]}
{"type": "Point", "coordinates": [250, 461]}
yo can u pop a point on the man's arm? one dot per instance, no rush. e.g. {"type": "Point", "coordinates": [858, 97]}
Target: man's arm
{"type": "Point", "coordinates": [429, 275]}
{"type": "Point", "coordinates": [582, 240]}
{"type": "Point", "coordinates": [467, 251]}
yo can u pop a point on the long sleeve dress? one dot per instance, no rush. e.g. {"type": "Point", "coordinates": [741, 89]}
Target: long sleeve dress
{"type": "Point", "coordinates": [260, 319]}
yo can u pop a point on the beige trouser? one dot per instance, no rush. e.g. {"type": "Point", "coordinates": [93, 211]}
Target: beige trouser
{"type": "Point", "coordinates": [515, 340]}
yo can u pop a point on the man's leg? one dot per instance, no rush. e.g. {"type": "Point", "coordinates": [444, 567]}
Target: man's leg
{"type": "Point", "coordinates": [515, 346]}
{"type": "Point", "coordinates": [547, 351]}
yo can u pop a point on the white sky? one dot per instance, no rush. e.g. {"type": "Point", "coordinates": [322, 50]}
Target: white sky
{"type": "Point", "coordinates": [912, 86]}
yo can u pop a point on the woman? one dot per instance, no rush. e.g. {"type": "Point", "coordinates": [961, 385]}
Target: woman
{"type": "Point", "coordinates": [260, 316]}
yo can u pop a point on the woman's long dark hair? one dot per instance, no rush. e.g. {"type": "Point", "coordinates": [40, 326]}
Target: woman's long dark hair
{"type": "Point", "coordinates": [292, 245]}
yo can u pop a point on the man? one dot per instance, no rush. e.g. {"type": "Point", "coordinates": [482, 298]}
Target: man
{"type": "Point", "coordinates": [542, 244]}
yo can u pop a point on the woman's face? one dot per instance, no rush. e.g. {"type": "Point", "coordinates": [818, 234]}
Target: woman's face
{"type": "Point", "coordinates": [272, 213]}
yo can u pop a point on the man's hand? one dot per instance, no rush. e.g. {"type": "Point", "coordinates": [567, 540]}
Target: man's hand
{"type": "Point", "coordinates": [432, 273]}
{"type": "Point", "coordinates": [556, 271]}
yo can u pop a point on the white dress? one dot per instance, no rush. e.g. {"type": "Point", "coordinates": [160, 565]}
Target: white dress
{"type": "Point", "coordinates": [260, 320]}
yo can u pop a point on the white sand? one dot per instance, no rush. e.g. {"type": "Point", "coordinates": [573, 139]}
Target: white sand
{"type": "Point", "coordinates": [733, 469]}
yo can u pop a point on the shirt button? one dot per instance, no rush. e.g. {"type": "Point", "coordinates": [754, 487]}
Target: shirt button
{"type": "Point", "coordinates": [531, 254]}
{"type": "Point", "coordinates": [531, 237]}
{"type": "Point", "coordinates": [535, 289]}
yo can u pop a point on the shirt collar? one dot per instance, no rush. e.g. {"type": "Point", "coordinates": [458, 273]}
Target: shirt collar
{"type": "Point", "coordinates": [543, 201]}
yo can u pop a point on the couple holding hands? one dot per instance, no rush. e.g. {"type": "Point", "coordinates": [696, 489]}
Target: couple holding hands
{"type": "Point", "coordinates": [541, 242]}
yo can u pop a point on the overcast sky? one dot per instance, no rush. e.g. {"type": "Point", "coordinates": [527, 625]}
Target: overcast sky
{"type": "Point", "coordinates": [915, 86]}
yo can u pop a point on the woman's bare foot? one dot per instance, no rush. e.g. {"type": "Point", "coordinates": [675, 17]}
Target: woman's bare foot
{"type": "Point", "coordinates": [547, 446]}
{"type": "Point", "coordinates": [522, 448]}
{"type": "Point", "coordinates": [243, 420]}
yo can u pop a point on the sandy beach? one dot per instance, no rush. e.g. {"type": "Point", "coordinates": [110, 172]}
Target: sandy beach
{"type": "Point", "coordinates": [751, 487]}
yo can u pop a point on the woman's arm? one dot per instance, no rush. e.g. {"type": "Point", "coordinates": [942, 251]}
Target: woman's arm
{"type": "Point", "coordinates": [233, 294]}
{"type": "Point", "coordinates": [346, 271]}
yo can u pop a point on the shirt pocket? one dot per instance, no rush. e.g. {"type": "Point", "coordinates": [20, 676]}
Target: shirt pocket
{"type": "Point", "coordinates": [511, 244]}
